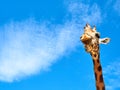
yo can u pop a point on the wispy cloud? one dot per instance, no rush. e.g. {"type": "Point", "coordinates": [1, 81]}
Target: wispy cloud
{"type": "Point", "coordinates": [112, 73]}
{"type": "Point", "coordinates": [85, 13]}
{"type": "Point", "coordinates": [29, 46]}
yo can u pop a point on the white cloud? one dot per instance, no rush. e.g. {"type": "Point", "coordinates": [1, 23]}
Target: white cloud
{"type": "Point", "coordinates": [28, 47]}
{"type": "Point", "coordinates": [112, 73]}
{"type": "Point", "coordinates": [85, 13]}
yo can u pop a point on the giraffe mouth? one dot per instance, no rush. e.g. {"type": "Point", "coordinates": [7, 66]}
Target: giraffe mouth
{"type": "Point", "coordinates": [85, 38]}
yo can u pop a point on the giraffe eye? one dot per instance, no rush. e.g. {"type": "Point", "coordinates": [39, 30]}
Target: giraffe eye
{"type": "Point", "coordinates": [97, 35]}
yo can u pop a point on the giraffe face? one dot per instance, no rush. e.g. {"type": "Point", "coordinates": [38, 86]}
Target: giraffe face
{"type": "Point", "coordinates": [91, 38]}
{"type": "Point", "coordinates": [90, 35]}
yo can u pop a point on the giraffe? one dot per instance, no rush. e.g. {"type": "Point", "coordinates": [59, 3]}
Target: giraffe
{"type": "Point", "coordinates": [91, 40]}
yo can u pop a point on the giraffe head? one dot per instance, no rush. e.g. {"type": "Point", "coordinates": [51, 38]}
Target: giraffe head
{"type": "Point", "coordinates": [91, 38]}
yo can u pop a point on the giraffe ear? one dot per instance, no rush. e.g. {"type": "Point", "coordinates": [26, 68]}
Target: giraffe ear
{"type": "Point", "coordinates": [104, 40]}
{"type": "Point", "coordinates": [88, 25]}
{"type": "Point", "coordinates": [94, 28]}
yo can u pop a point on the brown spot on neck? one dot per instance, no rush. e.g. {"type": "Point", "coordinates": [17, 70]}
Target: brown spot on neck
{"type": "Point", "coordinates": [101, 78]}
{"type": "Point", "coordinates": [99, 68]}
{"type": "Point", "coordinates": [98, 88]}
{"type": "Point", "coordinates": [95, 76]}
{"type": "Point", "coordinates": [103, 88]}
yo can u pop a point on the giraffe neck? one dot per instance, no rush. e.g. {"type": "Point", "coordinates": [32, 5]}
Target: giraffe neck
{"type": "Point", "coordinates": [98, 70]}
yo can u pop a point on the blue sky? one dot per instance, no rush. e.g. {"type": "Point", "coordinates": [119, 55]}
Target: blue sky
{"type": "Point", "coordinates": [40, 47]}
